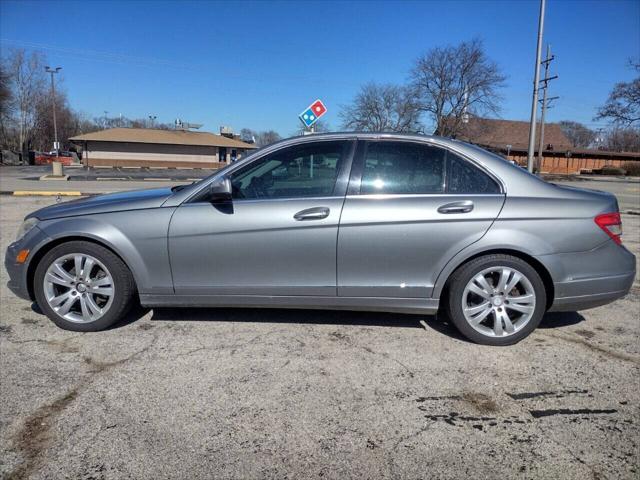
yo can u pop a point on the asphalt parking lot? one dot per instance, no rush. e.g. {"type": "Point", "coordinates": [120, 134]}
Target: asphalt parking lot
{"type": "Point", "coordinates": [293, 394]}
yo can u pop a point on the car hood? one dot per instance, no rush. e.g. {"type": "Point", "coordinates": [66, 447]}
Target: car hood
{"type": "Point", "coordinates": [111, 202]}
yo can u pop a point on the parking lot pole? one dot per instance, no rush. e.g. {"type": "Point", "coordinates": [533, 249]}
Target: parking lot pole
{"type": "Point", "coordinates": [53, 71]}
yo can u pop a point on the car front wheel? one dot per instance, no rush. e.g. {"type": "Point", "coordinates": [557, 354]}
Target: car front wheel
{"type": "Point", "coordinates": [83, 287]}
{"type": "Point", "coordinates": [496, 299]}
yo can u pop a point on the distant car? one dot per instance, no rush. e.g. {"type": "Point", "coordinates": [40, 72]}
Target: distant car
{"type": "Point", "coordinates": [382, 222]}
{"type": "Point", "coordinates": [46, 158]}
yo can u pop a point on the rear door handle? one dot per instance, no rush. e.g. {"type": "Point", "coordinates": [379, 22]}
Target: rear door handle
{"type": "Point", "coordinates": [315, 213]}
{"type": "Point", "coordinates": [457, 207]}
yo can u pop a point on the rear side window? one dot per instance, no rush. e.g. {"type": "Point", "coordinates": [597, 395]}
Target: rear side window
{"type": "Point", "coordinates": [397, 168]}
{"type": "Point", "coordinates": [464, 178]}
{"type": "Point", "coordinates": [410, 168]}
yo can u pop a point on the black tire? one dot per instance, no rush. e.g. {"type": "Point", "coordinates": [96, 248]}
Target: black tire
{"type": "Point", "coordinates": [124, 288]}
{"type": "Point", "coordinates": [466, 272]}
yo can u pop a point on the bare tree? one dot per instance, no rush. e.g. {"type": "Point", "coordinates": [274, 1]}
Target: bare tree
{"type": "Point", "coordinates": [120, 121]}
{"type": "Point", "coordinates": [6, 108]}
{"type": "Point", "coordinates": [623, 104]}
{"type": "Point", "coordinates": [382, 108]}
{"type": "Point", "coordinates": [5, 92]}
{"type": "Point", "coordinates": [453, 80]}
{"type": "Point", "coordinates": [579, 135]}
{"type": "Point", "coordinates": [27, 84]}
{"type": "Point", "coordinates": [248, 135]}
{"type": "Point", "coordinates": [319, 127]}
{"type": "Point", "coordinates": [267, 137]}
{"type": "Point", "coordinates": [259, 138]}
{"type": "Point", "coordinates": [69, 122]}
{"type": "Point", "coordinates": [622, 140]}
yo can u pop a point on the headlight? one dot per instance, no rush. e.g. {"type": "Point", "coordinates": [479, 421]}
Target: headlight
{"type": "Point", "coordinates": [26, 226]}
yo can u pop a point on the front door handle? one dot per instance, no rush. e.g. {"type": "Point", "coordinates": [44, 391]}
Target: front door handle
{"type": "Point", "coordinates": [315, 213]}
{"type": "Point", "coordinates": [457, 207]}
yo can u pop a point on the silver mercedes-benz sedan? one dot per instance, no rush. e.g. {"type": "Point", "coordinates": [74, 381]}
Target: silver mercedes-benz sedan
{"type": "Point", "coordinates": [384, 222]}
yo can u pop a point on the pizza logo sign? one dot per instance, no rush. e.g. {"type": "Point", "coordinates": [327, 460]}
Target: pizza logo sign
{"type": "Point", "coordinates": [312, 113]}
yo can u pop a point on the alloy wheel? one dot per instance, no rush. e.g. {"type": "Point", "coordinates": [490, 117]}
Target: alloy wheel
{"type": "Point", "coordinates": [79, 288]}
{"type": "Point", "coordinates": [498, 301]}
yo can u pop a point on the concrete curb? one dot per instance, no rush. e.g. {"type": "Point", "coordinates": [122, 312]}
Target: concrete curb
{"type": "Point", "coordinates": [578, 178]}
{"type": "Point", "coordinates": [40, 193]}
{"type": "Point", "coordinates": [28, 193]}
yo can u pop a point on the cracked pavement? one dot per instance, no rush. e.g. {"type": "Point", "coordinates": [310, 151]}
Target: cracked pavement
{"type": "Point", "coordinates": [307, 394]}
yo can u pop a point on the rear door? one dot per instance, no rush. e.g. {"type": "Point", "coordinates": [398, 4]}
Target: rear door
{"type": "Point", "coordinates": [410, 208]}
{"type": "Point", "coordinates": [277, 236]}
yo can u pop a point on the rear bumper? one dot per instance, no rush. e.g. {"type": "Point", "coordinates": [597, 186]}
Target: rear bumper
{"type": "Point", "coordinates": [589, 279]}
{"type": "Point", "coordinates": [594, 292]}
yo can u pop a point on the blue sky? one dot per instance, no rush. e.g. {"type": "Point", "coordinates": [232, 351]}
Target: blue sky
{"type": "Point", "coordinates": [258, 64]}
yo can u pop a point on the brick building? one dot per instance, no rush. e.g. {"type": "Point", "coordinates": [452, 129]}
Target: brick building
{"type": "Point", "coordinates": [146, 147]}
{"type": "Point", "coordinates": [511, 139]}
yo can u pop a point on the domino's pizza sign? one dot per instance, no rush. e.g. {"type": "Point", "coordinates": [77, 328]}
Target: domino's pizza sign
{"type": "Point", "coordinates": [312, 113]}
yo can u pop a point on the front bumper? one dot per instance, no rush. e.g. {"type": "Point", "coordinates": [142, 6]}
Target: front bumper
{"type": "Point", "coordinates": [18, 272]}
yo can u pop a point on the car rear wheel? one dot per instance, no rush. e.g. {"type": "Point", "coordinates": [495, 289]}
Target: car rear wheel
{"type": "Point", "coordinates": [83, 287]}
{"type": "Point", "coordinates": [496, 299]}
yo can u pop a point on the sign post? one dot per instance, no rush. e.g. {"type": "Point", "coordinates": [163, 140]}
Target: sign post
{"type": "Point", "coordinates": [309, 117]}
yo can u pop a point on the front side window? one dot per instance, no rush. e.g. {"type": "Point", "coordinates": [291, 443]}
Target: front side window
{"type": "Point", "coordinates": [300, 171]}
{"type": "Point", "coordinates": [411, 168]}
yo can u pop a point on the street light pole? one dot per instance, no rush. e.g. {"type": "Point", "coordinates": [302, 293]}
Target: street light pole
{"type": "Point", "coordinates": [536, 81]}
{"type": "Point", "coordinates": [52, 71]}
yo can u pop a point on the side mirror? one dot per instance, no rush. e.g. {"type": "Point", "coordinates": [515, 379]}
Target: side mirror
{"type": "Point", "coordinates": [220, 190]}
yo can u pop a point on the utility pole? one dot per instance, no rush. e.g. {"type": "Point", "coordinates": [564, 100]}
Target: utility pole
{"type": "Point", "coordinates": [545, 101]}
{"type": "Point", "coordinates": [536, 81]}
{"type": "Point", "coordinates": [52, 71]}
{"type": "Point", "coordinates": [152, 119]}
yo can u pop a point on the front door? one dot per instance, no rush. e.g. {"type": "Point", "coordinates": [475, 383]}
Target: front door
{"type": "Point", "coordinates": [276, 237]}
{"type": "Point", "coordinates": [410, 208]}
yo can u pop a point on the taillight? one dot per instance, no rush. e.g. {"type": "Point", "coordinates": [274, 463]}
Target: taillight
{"type": "Point", "coordinates": [611, 224]}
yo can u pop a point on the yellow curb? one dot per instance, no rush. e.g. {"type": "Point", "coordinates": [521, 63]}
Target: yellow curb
{"type": "Point", "coordinates": [26, 193]}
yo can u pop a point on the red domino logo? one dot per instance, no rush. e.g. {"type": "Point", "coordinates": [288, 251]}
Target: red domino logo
{"type": "Point", "coordinates": [318, 108]}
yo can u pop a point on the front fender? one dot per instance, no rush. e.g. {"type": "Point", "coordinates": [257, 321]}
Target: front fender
{"type": "Point", "coordinates": [138, 237]}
